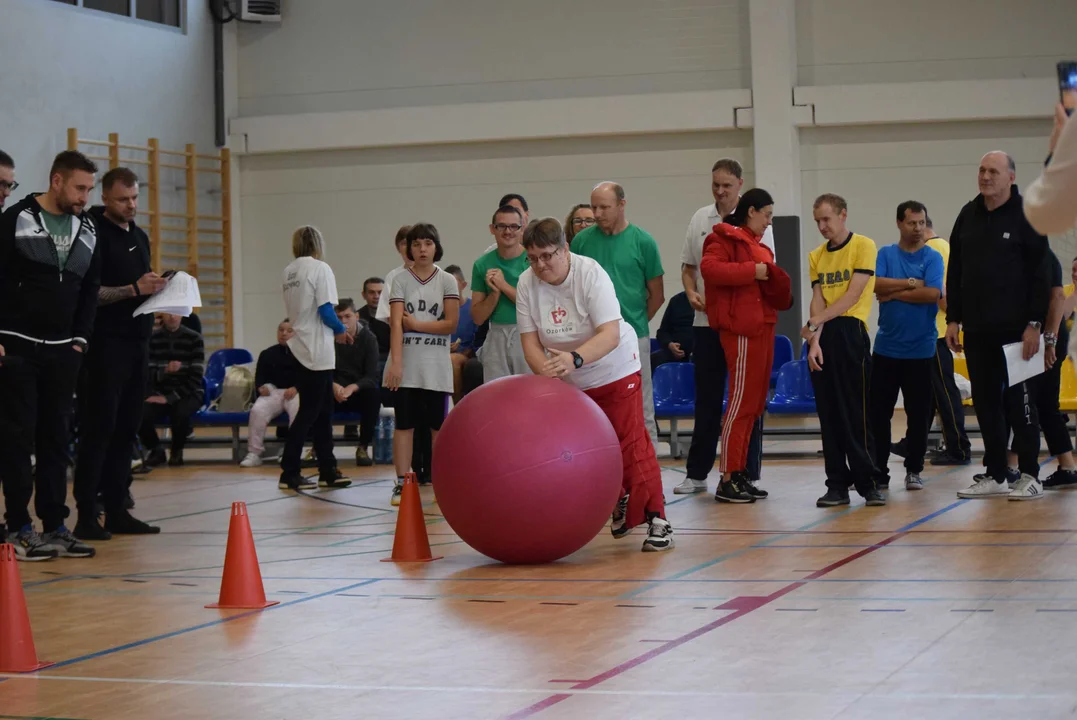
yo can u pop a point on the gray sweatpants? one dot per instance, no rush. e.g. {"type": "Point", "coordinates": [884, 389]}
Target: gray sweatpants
{"type": "Point", "coordinates": [501, 354]}
{"type": "Point", "coordinates": [648, 390]}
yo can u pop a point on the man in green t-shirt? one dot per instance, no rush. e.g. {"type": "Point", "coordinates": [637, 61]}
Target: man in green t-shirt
{"type": "Point", "coordinates": [493, 296]}
{"type": "Point", "coordinates": [630, 256]}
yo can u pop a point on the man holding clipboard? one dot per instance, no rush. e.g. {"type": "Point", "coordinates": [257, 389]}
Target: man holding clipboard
{"type": "Point", "coordinates": [997, 292]}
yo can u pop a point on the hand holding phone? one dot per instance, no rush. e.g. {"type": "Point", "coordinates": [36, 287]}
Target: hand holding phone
{"type": "Point", "coordinates": [1067, 85]}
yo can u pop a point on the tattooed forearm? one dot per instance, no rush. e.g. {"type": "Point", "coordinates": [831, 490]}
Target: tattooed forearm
{"type": "Point", "coordinates": [109, 295]}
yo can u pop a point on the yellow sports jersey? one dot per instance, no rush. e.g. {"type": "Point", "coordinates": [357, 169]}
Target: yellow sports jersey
{"type": "Point", "coordinates": [833, 268]}
{"type": "Point", "coordinates": [942, 248]}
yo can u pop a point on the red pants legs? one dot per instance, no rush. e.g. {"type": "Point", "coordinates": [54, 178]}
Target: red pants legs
{"type": "Point", "coordinates": [749, 361]}
{"type": "Point", "coordinates": [642, 479]}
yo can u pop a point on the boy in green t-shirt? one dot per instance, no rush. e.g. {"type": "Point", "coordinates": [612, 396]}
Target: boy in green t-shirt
{"type": "Point", "coordinates": [630, 256]}
{"type": "Point", "coordinates": [493, 296]}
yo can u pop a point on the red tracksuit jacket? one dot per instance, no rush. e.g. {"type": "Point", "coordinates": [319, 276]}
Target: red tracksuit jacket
{"type": "Point", "coordinates": [736, 301]}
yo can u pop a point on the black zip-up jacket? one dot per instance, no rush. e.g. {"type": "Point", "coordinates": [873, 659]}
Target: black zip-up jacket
{"type": "Point", "coordinates": [277, 367]}
{"type": "Point", "coordinates": [125, 257]}
{"type": "Point", "coordinates": [39, 301]}
{"type": "Point", "coordinates": [358, 363]}
{"type": "Point", "coordinates": [185, 346]}
{"type": "Point", "coordinates": [677, 324]}
{"type": "Point", "coordinates": [996, 281]}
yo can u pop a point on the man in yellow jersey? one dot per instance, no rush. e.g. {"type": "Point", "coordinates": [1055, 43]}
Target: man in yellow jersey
{"type": "Point", "coordinates": [842, 275]}
{"type": "Point", "coordinates": [947, 398]}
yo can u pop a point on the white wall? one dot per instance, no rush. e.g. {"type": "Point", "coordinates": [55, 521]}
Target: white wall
{"type": "Point", "coordinates": [69, 67]}
{"type": "Point", "coordinates": [360, 198]}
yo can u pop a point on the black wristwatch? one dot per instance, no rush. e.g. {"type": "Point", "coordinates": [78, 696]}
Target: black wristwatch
{"type": "Point", "coordinates": [577, 360]}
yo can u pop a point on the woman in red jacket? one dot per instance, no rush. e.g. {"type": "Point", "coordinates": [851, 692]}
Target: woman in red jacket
{"type": "Point", "coordinates": [744, 291]}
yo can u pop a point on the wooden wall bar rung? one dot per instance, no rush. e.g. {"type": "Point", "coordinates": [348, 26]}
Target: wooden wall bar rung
{"type": "Point", "coordinates": [105, 158]}
{"type": "Point", "coordinates": [217, 218]}
{"type": "Point", "coordinates": [173, 166]}
{"type": "Point", "coordinates": [211, 231]}
{"type": "Point", "coordinates": [95, 143]}
{"type": "Point", "coordinates": [140, 148]}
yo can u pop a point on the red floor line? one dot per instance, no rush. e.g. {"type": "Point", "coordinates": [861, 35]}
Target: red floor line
{"type": "Point", "coordinates": [744, 606]}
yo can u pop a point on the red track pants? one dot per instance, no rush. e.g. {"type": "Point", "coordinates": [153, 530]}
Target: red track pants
{"type": "Point", "coordinates": [749, 361]}
{"type": "Point", "coordinates": [622, 402]}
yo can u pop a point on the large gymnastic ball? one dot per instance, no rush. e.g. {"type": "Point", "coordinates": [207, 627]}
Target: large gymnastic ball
{"type": "Point", "coordinates": [527, 469]}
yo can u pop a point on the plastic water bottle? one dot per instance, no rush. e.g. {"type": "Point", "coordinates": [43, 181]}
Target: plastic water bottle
{"type": "Point", "coordinates": [379, 441]}
{"type": "Point", "coordinates": [390, 428]}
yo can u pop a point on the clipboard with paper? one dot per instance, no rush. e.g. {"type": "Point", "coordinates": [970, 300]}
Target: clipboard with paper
{"type": "Point", "coordinates": [1017, 368]}
{"type": "Point", "coordinates": [179, 296]}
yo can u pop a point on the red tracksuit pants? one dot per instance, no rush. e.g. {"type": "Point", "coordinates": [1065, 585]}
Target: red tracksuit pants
{"type": "Point", "coordinates": [749, 360]}
{"type": "Point", "coordinates": [622, 402]}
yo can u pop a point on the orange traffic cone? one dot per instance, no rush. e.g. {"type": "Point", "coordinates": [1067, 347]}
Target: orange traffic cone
{"type": "Point", "coordinates": [410, 543]}
{"type": "Point", "coordinates": [241, 585]}
{"type": "Point", "coordinates": [17, 654]}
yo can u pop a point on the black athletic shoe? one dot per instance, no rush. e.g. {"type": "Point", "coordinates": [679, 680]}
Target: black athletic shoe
{"type": "Point", "coordinates": [175, 459]}
{"type": "Point", "coordinates": [156, 458]}
{"type": "Point", "coordinates": [122, 522]}
{"type": "Point", "coordinates": [1061, 480]}
{"type": "Point", "coordinates": [754, 490]}
{"type": "Point", "coordinates": [948, 458]}
{"type": "Point", "coordinates": [832, 499]}
{"type": "Point", "coordinates": [336, 480]}
{"type": "Point", "coordinates": [91, 530]}
{"type": "Point", "coordinates": [898, 448]}
{"type": "Point", "coordinates": [734, 490]}
{"type": "Point", "coordinates": [618, 527]}
{"type": "Point", "coordinates": [874, 498]}
{"type": "Point", "coordinates": [295, 482]}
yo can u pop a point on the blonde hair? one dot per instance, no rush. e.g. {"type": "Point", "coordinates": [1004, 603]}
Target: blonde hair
{"type": "Point", "coordinates": [307, 241]}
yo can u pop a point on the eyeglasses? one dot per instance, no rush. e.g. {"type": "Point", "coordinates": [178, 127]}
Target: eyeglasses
{"type": "Point", "coordinates": [502, 227]}
{"type": "Point", "coordinates": [583, 221]}
{"type": "Point", "coordinates": [9, 186]}
{"type": "Point", "coordinates": [542, 258]}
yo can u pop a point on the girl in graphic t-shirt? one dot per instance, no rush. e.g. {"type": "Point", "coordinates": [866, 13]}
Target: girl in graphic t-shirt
{"type": "Point", "coordinates": [424, 304]}
{"type": "Point", "coordinates": [571, 328]}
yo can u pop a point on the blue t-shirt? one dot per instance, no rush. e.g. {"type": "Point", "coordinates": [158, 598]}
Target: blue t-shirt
{"type": "Point", "coordinates": [907, 330]}
{"type": "Point", "coordinates": [465, 328]}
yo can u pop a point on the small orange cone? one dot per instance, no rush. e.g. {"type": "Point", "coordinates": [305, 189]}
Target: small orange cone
{"type": "Point", "coordinates": [17, 654]}
{"type": "Point", "coordinates": [241, 585]}
{"type": "Point", "coordinates": [410, 543]}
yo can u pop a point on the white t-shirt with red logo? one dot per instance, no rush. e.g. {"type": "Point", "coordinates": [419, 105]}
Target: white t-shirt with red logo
{"type": "Point", "coordinates": [565, 316]}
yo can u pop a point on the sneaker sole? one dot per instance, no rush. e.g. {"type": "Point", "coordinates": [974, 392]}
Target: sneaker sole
{"type": "Point", "coordinates": [68, 554]}
{"type": "Point", "coordinates": [831, 504]}
{"type": "Point", "coordinates": [1021, 498]}
{"type": "Point", "coordinates": [694, 491]}
{"type": "Point", "coordinates": [875, 503]}
{"type": "Point", "coordinates": [983, 496]}
{"type": "Point", "coordinates": [732, 501]}
{"type": "Point", "coordinates": [914, 488]}
{"type": "Point", "coordinates": [24, 558]}
{"type": "Point", "coordinates": [648, 547]}
{"type": "Point", "coordinates": [335, 486]}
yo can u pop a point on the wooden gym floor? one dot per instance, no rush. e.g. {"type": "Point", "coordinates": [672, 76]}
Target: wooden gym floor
{"type": "Point", "coordinates": [932, 607]}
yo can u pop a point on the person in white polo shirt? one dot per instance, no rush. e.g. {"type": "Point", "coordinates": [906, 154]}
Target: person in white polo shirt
{"type": "Point", "coordinates": [727, 178]}
{"type": "Point", "coordinates": [571, 328]}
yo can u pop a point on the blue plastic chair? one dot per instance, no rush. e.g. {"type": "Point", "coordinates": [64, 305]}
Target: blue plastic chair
{"type": "Point", "coordinates": [794, 394]}
{"type": "Point", "coordinates": [216, 366]}
{"type": "Point", "coordinates": [655, 345]}
{"type": "Point", "coordinates": [674, 387]}
{"type": "Point", "coordinates": [783, 353]}
{"type": "Point", "coordinates": [803, 351]}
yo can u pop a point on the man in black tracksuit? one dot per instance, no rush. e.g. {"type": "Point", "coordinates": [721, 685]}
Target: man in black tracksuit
{"type": "Point", "coordinates": [355, 379]}
{"type": "Point", "coordinates": [115, 374]}
{"type": "Point", "coordinates": [49, 274]}
{"type": "Point", "coordinates": [177, 364]}
{"type": "Point", "coordinates": [997, 291]}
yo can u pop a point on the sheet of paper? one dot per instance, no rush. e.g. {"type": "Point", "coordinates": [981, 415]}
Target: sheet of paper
{"type": "Point", "coordinates": [180, 296]}
{"type": "Point", "coordinates": [1020, 369]}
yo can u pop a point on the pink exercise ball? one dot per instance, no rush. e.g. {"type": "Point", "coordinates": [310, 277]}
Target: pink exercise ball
{"type": "Point", "coordinates": [527, 469]}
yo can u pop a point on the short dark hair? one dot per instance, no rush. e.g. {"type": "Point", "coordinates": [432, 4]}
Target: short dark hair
{"type": "Point", "coordinates": [509, 197]}
{"type": "Point", "coordinates": [915, 205]}
{"type": "Point", "coordinates": [6, 160]}
{"type": "Point", "coordinates": [70, 161]}
{"type": "Point", "coordinates": [455, 270]}
{"type": "Point", "coordinates": [345, 304]}
{"type": "Point", "coordinates": [754, 199]}
{"type": "Point", "coordinates": [371, 281]}
{"type": "Point", "coordinates": [835, 201]}
{"type": "Point", "coordinates": [927, 219]}
{"type": "Point", "coordinates": [401, 235]}
{"type": "Point", "coordinates": [507, 210]}
{"type": "Point", "coordinates": [544, 233]}
{"type": "Point", "coordinates": [122, 175]}
{"type": "Point", "coordinates": [730, 166]}
{"type": "Point", "coordinates": [424, 231]}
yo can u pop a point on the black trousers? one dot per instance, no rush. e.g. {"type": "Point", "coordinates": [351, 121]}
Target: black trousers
{"type": "Point", "coordinates": [710, 372]}
{"type": "Point", "coordinates": [471, 376]}
{"type": "Point", "coordinates": [111, 394]}
{"type": "Point", "coordinates": [367, 402]}
{"type": "Point", "coordinates": [37, 384]}
{"type": "Point", "coordinates": [1045, 389]}
{"type": "Point", "coordinates": [314, 419]}
{"type": "Point", "coordinates": [841, 400]}
{"type": "Point", "coordinates": [999, 408]}
{"type": "Point", "coordinates": [179, 421]}
{"type": "Point", "coordinates": [913, 379]}
{"type": "Point", "coordinates": [947, 401]}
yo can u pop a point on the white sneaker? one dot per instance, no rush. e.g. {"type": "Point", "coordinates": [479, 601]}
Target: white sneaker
{"type": "Point", "coordinates": [913, 481]}
{"type": "Point", "coordinates": [251, 460]}
{"type": "Point", "coordinates": [659, 536]}
{"type": "Point", "coordinates": [1027, 488]}
{"type": "Point", "coordinates": [985, 487]}
{"type": "Point", "coordinates": [690, 486]}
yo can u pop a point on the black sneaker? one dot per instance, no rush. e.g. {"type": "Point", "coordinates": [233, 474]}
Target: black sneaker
{"type": "Point", "coordinates": [734, 490]}
{"type": "Point", "coordinates": [295, 482]}
{"type": "Point", "coordinates": [129, 501]}
{"type": "Point", "coordinates": [90, 529]}
{"type": "Point", "coordinates": [946, 458]}
{"type": "Point", "coordinates": [1061, 480]}
{"type": "Point", "coordinates": [874, 498]}
{"type": "Point", "coordinates": [659, 536]}
{"type": "Point", "coordinates": [755, 491]}
{"type": "Point", "coordinates": [617, 520]}
{"type": "Point", "coordinates": [30, 546]}
{"type": "Point", "coordinates": [175, 459]}
{"type": "Point", "coordinates": [361, 457]}
{"type": "Point", "coordinates": [67, 545]}
{"type": "Point", "coordinates": [898, 448]}
{"type": "Point", "coordinates": [398, 493]}
{"type": "Point", "coordinates": [832, 499]}
{"type": "Point", "coordinates": [155, 458]}
{"type": "Point", "coordinates": [336, 480]}
{"type": "Point", "coordinates": [122, 522]}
